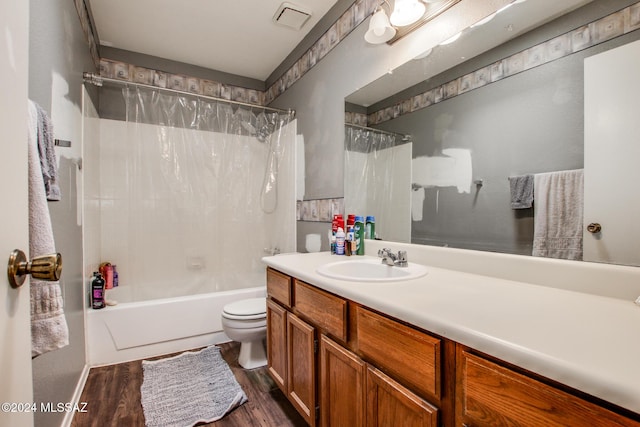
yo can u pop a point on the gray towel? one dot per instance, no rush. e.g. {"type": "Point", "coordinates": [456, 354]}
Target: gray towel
{"type": "Point", "coordinates": [521, 191]}
{"type": "Point", "coordinates": [558, 214]}
{"type": "Point", "coordinates": [49, 329]}
{"type": "Point", "coordinates": [48, 162]}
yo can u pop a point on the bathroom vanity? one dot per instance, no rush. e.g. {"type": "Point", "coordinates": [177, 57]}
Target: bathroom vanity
{"type": "Point", "coordinates": [450, 348]}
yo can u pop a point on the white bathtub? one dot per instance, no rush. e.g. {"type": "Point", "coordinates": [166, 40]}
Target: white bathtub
{"type": "Point", "coordinates": [135, 330]}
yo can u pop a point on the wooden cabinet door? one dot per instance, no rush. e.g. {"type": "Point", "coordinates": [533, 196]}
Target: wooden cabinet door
{"type": "Point", "coordinates": [342, 377]}
{"type": "Point", "coordinates": [301, 373]}
{"type": "Point", "coordinates": [277, 344]}
{"type": "Point", "coordinates": [492, 395]}
{"type": "Point", "coordinates": [391, 404]}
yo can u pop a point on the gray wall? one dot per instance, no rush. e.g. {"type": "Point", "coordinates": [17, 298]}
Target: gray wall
{"type": "Point", "coordinates": [58, 54]}
{"type": "Point", "coordinates": [528, 123]}
{"type": "Point", "coordinates": [318, 98]}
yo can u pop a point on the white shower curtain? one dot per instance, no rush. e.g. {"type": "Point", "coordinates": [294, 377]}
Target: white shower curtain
{"type": "Point", "coordinates": [378, 180]}
{"type": "Point", "coordinates": [193, 193]}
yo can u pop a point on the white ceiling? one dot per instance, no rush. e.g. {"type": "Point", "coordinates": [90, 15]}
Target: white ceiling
{"type": "Point", "coordinates": [233, 36]}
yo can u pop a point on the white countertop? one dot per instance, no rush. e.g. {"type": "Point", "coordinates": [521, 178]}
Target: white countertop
{"type": "Point", "coordinates": [586, 341]}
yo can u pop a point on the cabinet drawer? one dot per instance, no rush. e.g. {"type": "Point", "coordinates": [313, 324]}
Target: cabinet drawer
{"type": "Point", "coordinates": [493, 395]}
{"type": "Point", "coordinates": [326, 311]}
{"type": "Point", "coordinates": [279, 287]}
{"type": "Point", "coordinates": [410, 356]}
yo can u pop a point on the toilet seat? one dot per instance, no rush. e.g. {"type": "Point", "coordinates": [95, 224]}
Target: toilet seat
{"type": "Point", "coordinates": [247, 309]}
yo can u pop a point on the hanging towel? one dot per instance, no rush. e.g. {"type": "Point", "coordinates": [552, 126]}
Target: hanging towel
{"type": "Point", "coordinates": [48, 162]}
{"type": "Point", "coordinates": [417, 203]}
{"type": "Point", "coordinates": [521, 191]}
{"type": "Point", "coordinates": [558, 211]}
{"type": "Point", "coordinates": [49, 329]}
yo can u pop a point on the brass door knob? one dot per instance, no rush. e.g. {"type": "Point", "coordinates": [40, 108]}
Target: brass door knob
{"type": "Point", "coordinates": [594, 227]}
{"type": "Point", "coordinates": [44, 267]}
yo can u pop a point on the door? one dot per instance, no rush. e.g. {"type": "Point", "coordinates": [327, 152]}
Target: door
{"type": "Point", "coordinates": [16, 388]}
{"type": "Point", "coordinates": [391, 404]}
{"type": "Point", "coordinates": [611, 155]}
{"type": "Point", "coordinates": [301, 372]}
{"type": "Point", "coordinates": [277, 344]}
{"type": "Point", "coordinates": [341, 386]}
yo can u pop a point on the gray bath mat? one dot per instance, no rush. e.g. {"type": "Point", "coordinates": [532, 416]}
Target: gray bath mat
{"type": "Point", "coordinates": [190, 388]}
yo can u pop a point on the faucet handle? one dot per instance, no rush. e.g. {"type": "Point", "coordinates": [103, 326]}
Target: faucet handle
{"type": "Point", "coordinates": [383, 252]}
{"type": "Point", "coordinates": [402, 256]}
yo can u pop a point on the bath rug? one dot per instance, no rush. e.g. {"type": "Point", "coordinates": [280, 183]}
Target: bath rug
{"type": "Point", "coordinates": [190, 388]}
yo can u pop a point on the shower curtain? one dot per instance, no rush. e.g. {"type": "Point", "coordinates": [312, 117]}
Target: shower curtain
{"type": "Point", "coordinates": [194, 193]}
{"type": "Point", "coordinates": [378, 180]}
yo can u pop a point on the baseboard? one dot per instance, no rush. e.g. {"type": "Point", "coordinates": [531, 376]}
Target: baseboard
{"type": "Point", "coordinates": [77, 394]}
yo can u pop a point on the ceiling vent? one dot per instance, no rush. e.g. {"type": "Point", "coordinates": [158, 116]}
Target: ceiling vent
{"type": "Point", "coordinates": [291, 15]}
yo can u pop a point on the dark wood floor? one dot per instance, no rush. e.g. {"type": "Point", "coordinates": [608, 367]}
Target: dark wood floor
{"type": "Point", "coordinates": [112, 394]}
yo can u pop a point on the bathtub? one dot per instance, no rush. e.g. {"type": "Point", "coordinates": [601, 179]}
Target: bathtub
{"type": "Point", "coordinates": [136, 330]}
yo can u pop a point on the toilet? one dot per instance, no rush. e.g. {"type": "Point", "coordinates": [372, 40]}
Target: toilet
{"type": "Point", "coordinates": [245, 321]}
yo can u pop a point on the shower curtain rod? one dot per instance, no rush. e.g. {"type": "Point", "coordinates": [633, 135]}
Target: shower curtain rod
{"type": "Point", "coordinates": [98, 80]}
{"type": "Point", "coordinates": [404, 137]}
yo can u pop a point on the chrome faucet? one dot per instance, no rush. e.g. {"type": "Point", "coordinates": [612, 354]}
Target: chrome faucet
{"type": "Point", "coordinates": [391, 259]}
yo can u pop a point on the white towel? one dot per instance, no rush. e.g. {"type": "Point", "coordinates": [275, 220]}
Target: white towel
{"type": "Point", "coordinates": [49, 329]}
{"type": "Point", "coordinates": [417, 203]}
{"type": "Point", "coordinates": [558, 211]}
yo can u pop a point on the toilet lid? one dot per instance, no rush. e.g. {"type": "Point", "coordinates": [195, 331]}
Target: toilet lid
{"type": "Point", "coordinates": [247, 307]}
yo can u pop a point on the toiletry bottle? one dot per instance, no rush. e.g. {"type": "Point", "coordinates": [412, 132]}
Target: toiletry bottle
{"type": "Point", "coordinates": [108, 276]}
{"type": "Point", "coordinates": [97, 291]}
{"type": "Point", "coordinates": [358, 231]}
{"type": "Point", "coordinates": [115, 276]}
{"type": "Point", "coordinates": [370, 227]}
{"type": "Point", "coordinates": [340, 241]}
{"type": "Point", "coordinates": [348, 241]}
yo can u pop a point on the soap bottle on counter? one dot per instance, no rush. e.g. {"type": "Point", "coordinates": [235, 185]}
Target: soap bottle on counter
{"type": "Point", "coordinates": [349, 244]}
{"type": "Point", "coordinates": [340, 241]}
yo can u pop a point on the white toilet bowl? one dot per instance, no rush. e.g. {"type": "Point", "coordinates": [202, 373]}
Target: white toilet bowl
{"type": "Point", "coordinates": [245, 321]}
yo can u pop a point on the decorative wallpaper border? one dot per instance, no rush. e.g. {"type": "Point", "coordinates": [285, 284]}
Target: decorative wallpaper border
{"type": "Point", "coordinates": [348, 21]}
{"type": "Point", "coordinates": [319, 210]}
{"type": "Point", "coordinates": [358, 119]}
{"type": "Point", "coordinates": [89, 31]}
{"type": "Point", "coordinates": [132, 73]}
{"type": "Point", "coordinates": [594, 33]}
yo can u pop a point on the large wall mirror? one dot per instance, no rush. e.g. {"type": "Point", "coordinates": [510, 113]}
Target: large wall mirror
{"type": "Point", "coordinates": [506, 99]}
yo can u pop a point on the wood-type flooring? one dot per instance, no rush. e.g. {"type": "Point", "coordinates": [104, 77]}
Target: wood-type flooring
{"type": "Point", "coordinates": [112, 394]}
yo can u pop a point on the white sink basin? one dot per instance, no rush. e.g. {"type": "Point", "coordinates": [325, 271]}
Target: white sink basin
{"type": "Point", "coordinates": [370, 270]}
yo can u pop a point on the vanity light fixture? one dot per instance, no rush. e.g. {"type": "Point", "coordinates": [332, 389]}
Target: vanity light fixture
{"type": "Point", "coordinates": [380, 30]}
{"type": "Point", "coordinates": [406, 12]}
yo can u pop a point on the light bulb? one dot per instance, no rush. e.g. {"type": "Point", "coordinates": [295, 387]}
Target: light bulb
{"type": "Point", "coordinates": [406, 12]}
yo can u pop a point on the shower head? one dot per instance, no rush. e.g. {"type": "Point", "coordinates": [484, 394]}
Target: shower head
{"type": "Point", "coordinates": [264, 132]}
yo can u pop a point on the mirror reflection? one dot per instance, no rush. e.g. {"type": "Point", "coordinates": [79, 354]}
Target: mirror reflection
{"type": "Point", "coordinates": [516, 110]}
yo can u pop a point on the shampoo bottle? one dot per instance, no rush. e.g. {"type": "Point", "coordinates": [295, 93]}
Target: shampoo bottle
{"type": "Point", "coordinates": [97, 291]}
